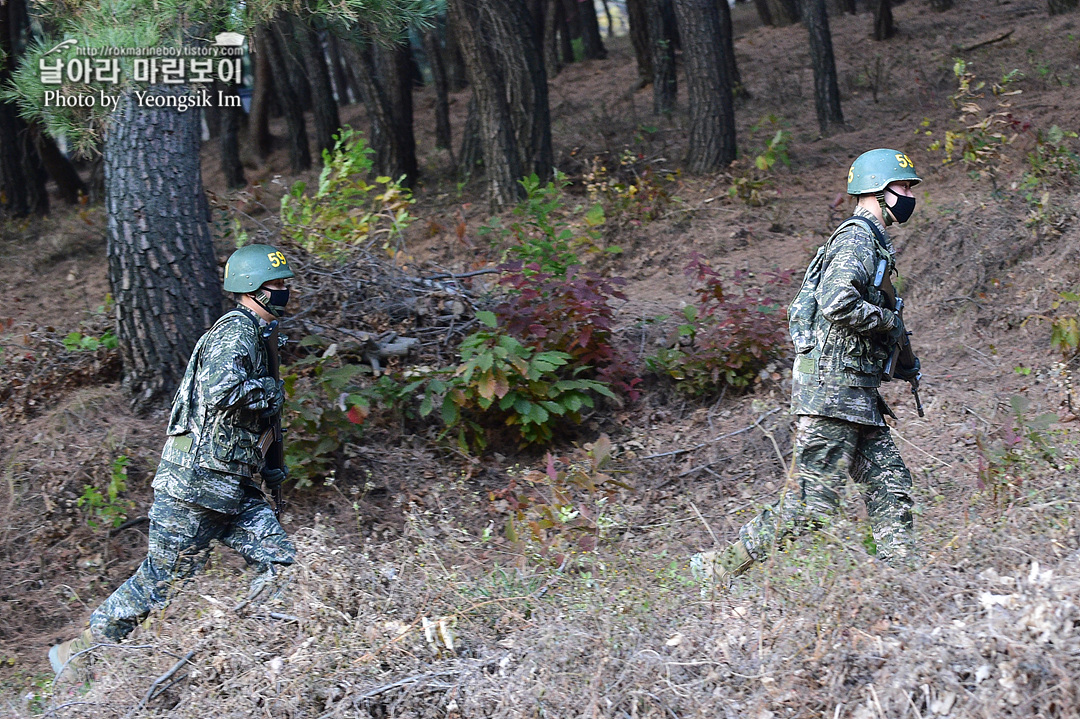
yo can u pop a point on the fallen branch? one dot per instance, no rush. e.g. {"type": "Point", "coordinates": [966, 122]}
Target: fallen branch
{"type": "Point", "coordinates": [991, 41]}
{"type": "Point", "coordinates": [714, 439]}
{"type": "Point", "coordinates": [150, 693]}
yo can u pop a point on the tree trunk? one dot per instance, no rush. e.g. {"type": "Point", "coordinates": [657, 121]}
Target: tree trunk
{"type": "Point", "coordinates": [639, 39]}
{"type": "Point", "coordinates": [590, 31]}
{"type": "Point", "coordinates": [471, 157]}
{"type": "Point", "coordinates": [59, 168]}
{"type": "Point", "coordinates": [231, 167]}
{"type": "Point", "coordinates": [433, 48]}
{"type": "Point", "coordinates": [260, 141]}
{"type": "Point", "coordinates": [610, 21]}
{"type": "Point", "coordinates": [573, 18]}
{"type": "Point", "coordinates": [661, 36]}
{"type": "Point", "coordinates": [162, 270]}
{"type": "Point", "coordinates": [22, 176]}
{"type": "Point", "coordinates": [884, 28]}
{"type": "Point", "coordinates": [848, 6]}
{"type": "Point", "coordinates": [387, 93]}
{"type": "Point", "coordinates": [506, 70]}
{"type": "Point", "coordinates": [566, 45]}
{"type": "Point", "coordinates": [764, 13]}
{"type": "Point", "coordinates": [785, 12]}
{"type": "Point", "coordinates": [826, 90]}
{"type": "Point", "coordinates": [551, 41]}
{"type": "Point", "coordinates": [299, 153]}
{"type": "Point", "coordinates": [1058, 7]}
{"type": "Point", "coordinates": [325, 109]}
{"type": "Point", "coordinates": [455, 63]}
{"type": "Point", "coordinates": [728, 38]}
{"type": "Point", "coordinates": [712, 116]}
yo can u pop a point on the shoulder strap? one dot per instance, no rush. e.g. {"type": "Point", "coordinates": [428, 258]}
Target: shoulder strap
{"type": "Point", "coordinates": [870, 224]}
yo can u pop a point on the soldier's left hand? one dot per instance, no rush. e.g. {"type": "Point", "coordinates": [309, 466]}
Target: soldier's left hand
{"type": "Point", "coordinates": [909, 373]}
{"type": "Point", "coordinates": [273, 477]}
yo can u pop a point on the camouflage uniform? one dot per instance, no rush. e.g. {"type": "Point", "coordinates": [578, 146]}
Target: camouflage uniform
{"type": "Point", "coordinates": [203, 489]}
{"type": "Point", "coordinates": [841, 428]}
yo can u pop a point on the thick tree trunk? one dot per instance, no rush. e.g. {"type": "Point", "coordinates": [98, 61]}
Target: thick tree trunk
{"type": "Point", "coordinates": [299, 153]}
{"type": "Point", "coordinates": [455, 63]}
{"type": "Point", "coordinates": [325, 109]}
{"type": "Point", "coordinates": [826, 90]}
{"type": "Point", "coordinates": [471, 157]}
{"type": "Point", "coordinates": [552, 65]}
{"type": "Point", "coordinates": [506, 69]}
{"type": "Point", "coordinates": [59, 168]}
{"type": "Point", "coordinates": [337, 71]}
{"type": "Point", "coordinates": [1058, 7]}
{"type": "Point", "coordinates": [764, 13]}
{"type": "Point", "coordinates": [573, 18]}
{"type": "Point", "coordinates": [162, 270]}
{"type": "Point", "coordinates": [639, 39]}
{"type": "Point", "coordinates": [231, 167]}
{"type": "Point", "coordinates": [590, 31]}
{"type": "Point", "coordinates": [712, 116]}
{"type": "Point", "coordinates": [260, 141]}
{"type": "Point", "coordinates": [662, 45]}
{"type": "Point", "coordinates": [566, 44]}
{"type": "Point", "coordinates": [728, 37]}
{"type": "Point", "coordinates": [433, 48]}
{"type": "Point", "coordinates": [884, 28]}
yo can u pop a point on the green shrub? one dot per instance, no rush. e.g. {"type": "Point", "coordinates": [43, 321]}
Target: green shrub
{"type": "Point", "coordinates": [346, 211]}
{"type": "Point", "coordinates": [109, 506]}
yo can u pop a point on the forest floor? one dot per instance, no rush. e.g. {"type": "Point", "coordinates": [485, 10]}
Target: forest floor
{"type": "Point", "coordinates": [407, 549]}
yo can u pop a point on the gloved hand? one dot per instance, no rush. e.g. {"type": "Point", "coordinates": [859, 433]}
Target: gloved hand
{"type": "Point", "coordinates": [908, 373]}
{"type": "Point", "coordinates": [897, 330]}
{"type": "Point", "coordinates": [275, 399]}
{"type": "Point", "coordinates": [273, 477]}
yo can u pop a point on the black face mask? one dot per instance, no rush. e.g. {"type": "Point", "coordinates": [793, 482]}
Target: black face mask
{"type": "Point", "coordinates": [273, 301]}
{"type": "Point", "coordinates": [902, 208]}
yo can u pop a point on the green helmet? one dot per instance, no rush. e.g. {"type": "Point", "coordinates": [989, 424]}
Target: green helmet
{"type": "Point", "coordinates": [253, 265]}
{"type": "Point", "coordinates": [873, 171]}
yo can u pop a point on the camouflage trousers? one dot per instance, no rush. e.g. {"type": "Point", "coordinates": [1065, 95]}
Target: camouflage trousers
{"type": "Point", "coordinates": [180, 536]}
{"type": "Point", "coordinates": [826, 450]}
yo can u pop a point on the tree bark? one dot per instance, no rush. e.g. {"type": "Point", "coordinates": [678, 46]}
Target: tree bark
{"type": "Point", "coordinates": [610, 20]}
{"type": "Point", "coordinates": [785, 12]}
{"type": "Point", "coordinates": [57, 166]}
{"type": "Point", "coordinates": [639, 39]}
{"type": "Point", "coordinates": [573, 19]}
{"type": "Point", "coordinates": [162, 269]}
{"type": "Point", "coordinates": [848, 6]}
{"type": "Point", "coordinates": [1059, 7]}
{"type": "Point", "coordinates": [285, 90]}
{"type": "Point", "coordinates": [471, 157]}
{"type": "Point", "coordinates": [662, 45]}
{"type": "Point", "coordinates": [826, 89]}
{"type": "Point", "coordinates": [325, 109]}
{"type": "Point", "coordinates": [231, 167]}
{"type": "Point", "coordinates": [506, 69]}
{"type": "Point", "coordinates": [566, 44]}
{"type": "Point", "coordinates": [712, 115]}
{"type": "Point", "coordinates": [337, 71]}
{"type": "Point", "coordinates": [884, 28]}
{"type": "Point", "coordinates": [552, 65]}
{"type": "Point", "coordinates": [22, 176]}
{"type": "Point", "coordinates": [764, 13]}
{"type": "Point", "coordinates": [260, 141]}
{"type": "Point", "coordinates": [727, 36]}
{"type": "Point", "coordinates": [433, 48]}
{"type": "Point", "coordinates": [592, 43]}
{"type": "Point", "coordinates": [455, 63]}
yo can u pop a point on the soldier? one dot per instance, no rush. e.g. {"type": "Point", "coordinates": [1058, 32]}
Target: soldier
{"type": "Point", "coordinates": [843, 329]}
{"type": "Point", "coordinates": [204, 487]}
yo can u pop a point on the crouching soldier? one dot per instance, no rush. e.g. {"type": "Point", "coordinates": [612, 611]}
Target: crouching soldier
{"type": "Point", "coordinates": [204, 488]}
{"type": "Point", "coordinates": [845, 323]}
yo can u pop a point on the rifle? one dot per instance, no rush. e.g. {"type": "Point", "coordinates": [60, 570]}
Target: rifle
{"type": "Point", "coordinates": [271, 443]}
{"type": "Point", "coordinates": [902, 355]}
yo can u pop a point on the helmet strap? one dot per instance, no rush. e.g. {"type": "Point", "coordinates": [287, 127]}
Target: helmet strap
{"type": "Point", "coordinates": [262, 299]}
{"type": "Point", "coordinates": [886, 215]}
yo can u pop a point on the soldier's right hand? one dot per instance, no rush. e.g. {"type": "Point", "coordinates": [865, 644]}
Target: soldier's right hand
{"type": "Point", "coordinates": [897, 330]}
{"type": "Point", "coordinates": [275, 399]}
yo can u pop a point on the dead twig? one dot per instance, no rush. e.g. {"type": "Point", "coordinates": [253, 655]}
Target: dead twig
{"type": "Point", "coordinates": [151, 692]}
{"type": "Point", "coordinates": [991, 41]}
{"type": "Point", "coordinates": [707, 442]}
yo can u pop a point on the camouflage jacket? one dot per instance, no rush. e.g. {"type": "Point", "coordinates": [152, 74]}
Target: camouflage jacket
{"type": "Point", "coordinates": [838, 377]}
{"type": "Point", "coordinates": [216, 416]}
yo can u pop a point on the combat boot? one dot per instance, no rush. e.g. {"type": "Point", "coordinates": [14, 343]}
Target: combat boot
{"type": "Point", "coordinates": [719, 568]}
{"type": "Point", "coordinates": [63, 656]}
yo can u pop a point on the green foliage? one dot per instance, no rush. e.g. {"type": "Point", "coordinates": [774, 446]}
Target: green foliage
{"type": "Point", "coordinates": [346, 211]}
{"type": "Point", "coordinates": [109, 506]}
{"type": "Point", "coordinates": [502, 384]}
{"type": "Point", "coordinates": [632, 192]}
{"type": "Point", "coordinates": [539, 233]}
{"type": "Point", "coordinates": [749, 185]}
{"type": "Point", "coordinates": [1052, 160]}
{"type": "Point", "coordinates": [725, 339]}
{"type": "Point", "coordinates": [563, 508]}
{"type": "Point", "coordinates": [1064, 324]}
{"type": "Point", "coordinates": [76, 341]}
{"type": "Point", "coordinates": [1024, 446]}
